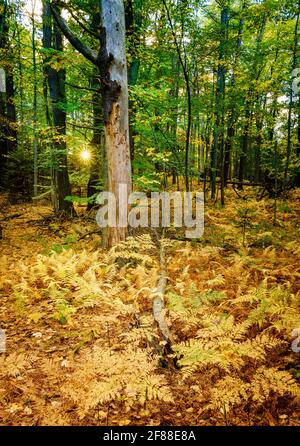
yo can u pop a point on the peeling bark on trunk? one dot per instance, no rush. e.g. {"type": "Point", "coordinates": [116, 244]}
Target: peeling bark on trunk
{"type": "Point", "coordinates": [113, 70]}
{"type": "Point", "coordinates": [111, 62]}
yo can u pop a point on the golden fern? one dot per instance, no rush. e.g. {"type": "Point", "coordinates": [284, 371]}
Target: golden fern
{"type": "Point", "coordinates": [271, 381]}
{"type": "Point", "coordinates": [103, 376]}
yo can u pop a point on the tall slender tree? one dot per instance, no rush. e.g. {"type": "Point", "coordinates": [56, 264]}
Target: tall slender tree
{"type": "Point", "coordinates": [8, 117]}
{"type": "Point", "coordinates": [53, 44]}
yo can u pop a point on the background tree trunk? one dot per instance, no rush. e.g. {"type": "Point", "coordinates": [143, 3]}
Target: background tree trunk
{"type": "Point", "coordinates": [8, 120]}
{"type": "Point", "coordinates": [52, 38]}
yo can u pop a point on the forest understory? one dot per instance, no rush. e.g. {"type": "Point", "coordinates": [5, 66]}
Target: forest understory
{"type": "Point", "coordinates": [82, 344]}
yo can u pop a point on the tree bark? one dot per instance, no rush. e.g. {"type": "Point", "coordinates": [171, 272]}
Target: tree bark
{"type": "Point", "coordinates": [111, 63]}
{"type": "Point", "coordinates": [113, 70]}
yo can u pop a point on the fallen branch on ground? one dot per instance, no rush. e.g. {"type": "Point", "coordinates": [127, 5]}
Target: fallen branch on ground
{"type": "Point", "coordinates": [38, 197]}
{"type": "Point", "coordinates": [158, 305]}
{"type": "Point", "coordinates": [98, 231]}
{"type": "Point", "coordinates": [158, 297]}
{"type": "Point", "coordinates": [9, 217]}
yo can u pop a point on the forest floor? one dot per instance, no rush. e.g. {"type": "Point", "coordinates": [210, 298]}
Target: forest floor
{"type": "Point", "coordinates": [81, 342]}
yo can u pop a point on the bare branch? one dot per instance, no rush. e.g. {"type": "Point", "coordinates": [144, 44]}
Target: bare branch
{"type": "Point", "coordinates": [79, 21]}
{"type": "Point", "coordinates": [84, 49]}
{"type": "Point", "coordinates": [83, 88]}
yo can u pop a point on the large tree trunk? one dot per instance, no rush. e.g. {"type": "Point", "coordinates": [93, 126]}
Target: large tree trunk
{"type": "Point", "coordinates": [113, 70]}
{"type": "Point", "coordinates": [111, 62]}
